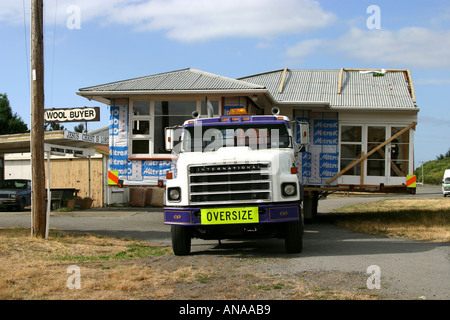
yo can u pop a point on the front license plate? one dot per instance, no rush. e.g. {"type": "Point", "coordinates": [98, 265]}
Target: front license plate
{"type": "Point", "coordinates": [229, 215]}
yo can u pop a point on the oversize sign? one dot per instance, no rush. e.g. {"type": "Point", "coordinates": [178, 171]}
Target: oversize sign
{"type": "Point", "coordinates": [72, 115]}
{"type": "Point", "coordinates": [229, 215]}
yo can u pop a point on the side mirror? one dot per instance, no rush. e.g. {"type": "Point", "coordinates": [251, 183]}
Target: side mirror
{"type": "Point", "coordinates": [303, 129]}
{"type": "Point", "coordinates": [169, 134]}
{"type": "Point", "coordinates": [172, 137]}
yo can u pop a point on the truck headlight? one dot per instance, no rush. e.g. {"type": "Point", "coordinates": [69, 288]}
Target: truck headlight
{"type": "Point", "coordinates": [288, 189]}
{"type": "Point", "coordinates": [174, 194]}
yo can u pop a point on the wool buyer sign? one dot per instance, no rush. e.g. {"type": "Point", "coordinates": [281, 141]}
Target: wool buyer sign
{"type": "Point", "coordinates": [72, 114]}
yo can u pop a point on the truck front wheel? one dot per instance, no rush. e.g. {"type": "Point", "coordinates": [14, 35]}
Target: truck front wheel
{"type": "Point", "coordinates": [181, 240]}
{"type": "Point", "coordinates": [294, 237]}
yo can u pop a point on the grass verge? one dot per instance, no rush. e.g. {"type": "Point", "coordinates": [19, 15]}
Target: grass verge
{"type": "Point", "coordinates": [122, 269]}
{"type": "Point", "coordinates": [420, 219]}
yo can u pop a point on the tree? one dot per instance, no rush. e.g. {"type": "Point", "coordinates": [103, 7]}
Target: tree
{"type": "Point", "coordinates": [79, 128]}
{"type": "Point", "coordinates": [443, 156]}
{"type": "Point", "coordinates": [10, 122]}
{"type": "Point", "coordinates": [53, 126]}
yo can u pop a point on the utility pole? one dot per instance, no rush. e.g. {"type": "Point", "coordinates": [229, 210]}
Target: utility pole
{"type": "Point", "coordinates": [423, 178]}
{"type": "Point", "coordinates": [37, 120]}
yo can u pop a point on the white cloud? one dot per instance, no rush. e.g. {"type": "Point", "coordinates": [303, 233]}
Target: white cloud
{"type": "Point", "coordinates": [200, 20]}
{"type": "Point", "coordinates": [193, 20]}
{"type": "Point", "coordinates": [408, 47]}
{"type": "Point", "coordinates": [304, 48]}
{"type": "Point", "coordinates": [405, 48]}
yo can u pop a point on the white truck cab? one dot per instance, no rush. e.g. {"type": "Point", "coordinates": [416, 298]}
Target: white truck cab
{"type": "Point", "coordinates": [236, 177]}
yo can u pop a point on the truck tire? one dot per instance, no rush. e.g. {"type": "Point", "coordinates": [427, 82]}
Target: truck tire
{"type": "Point", "coordinates": [21, 206]}
{"type": "Point", "coordinates": [181, 240]}
{"type": "Point", "coordinates": [310, 205]}
{"type": "Point", "coordinates": [294, 237]}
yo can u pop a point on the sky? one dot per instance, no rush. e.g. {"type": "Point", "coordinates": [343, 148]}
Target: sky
{"type": "Point", "coordinates": [89, 42]}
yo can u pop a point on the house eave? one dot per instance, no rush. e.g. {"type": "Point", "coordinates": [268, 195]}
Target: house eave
{"type": "Point", "coordinates": [105, 96]}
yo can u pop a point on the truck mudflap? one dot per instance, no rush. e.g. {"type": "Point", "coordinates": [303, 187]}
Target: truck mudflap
{"type": "Point", "coordinates": [238, 214]}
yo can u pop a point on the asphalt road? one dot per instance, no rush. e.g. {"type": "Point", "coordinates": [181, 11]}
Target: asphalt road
{"type": "Point", "coordinates": [408, 269]}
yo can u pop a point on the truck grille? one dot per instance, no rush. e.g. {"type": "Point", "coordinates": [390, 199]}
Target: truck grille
{"type": "Point", "coordinates": [248, 182]}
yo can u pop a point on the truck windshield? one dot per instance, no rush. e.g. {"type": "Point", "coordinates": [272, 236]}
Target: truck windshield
{"type": "Point", "coordinates": [208, 138]}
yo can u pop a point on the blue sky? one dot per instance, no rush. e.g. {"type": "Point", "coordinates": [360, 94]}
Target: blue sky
{"type": "Point", "coordinates": [93, 42]}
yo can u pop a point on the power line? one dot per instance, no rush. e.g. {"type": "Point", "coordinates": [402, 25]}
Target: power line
{"type": "Point", "coordinates": [53, 55]}
{"type": "Point", "coordinates": [26, 46]}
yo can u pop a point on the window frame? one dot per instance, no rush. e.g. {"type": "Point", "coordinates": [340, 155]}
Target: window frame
{"type": "Point", "coordinates": [139, 137]}
{"type": "Point", "coordinates": [388, 176]}
{"type": "Point", "coordinates": [352, 143]}
{"type": "Point", "coordinates": [151, 118]}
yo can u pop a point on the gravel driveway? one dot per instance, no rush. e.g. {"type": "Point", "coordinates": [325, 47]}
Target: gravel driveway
{"type": "Point", "coordinates": [332, 257]}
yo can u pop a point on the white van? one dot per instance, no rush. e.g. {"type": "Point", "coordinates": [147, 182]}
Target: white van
{"type": "Point", "coordinates": [446, 183]}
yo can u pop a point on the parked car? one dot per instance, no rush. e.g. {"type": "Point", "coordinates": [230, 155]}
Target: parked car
{"type": "Point", "coordinates": [446, 183]}
{"type": "Point", "coordinates": [15, 193]}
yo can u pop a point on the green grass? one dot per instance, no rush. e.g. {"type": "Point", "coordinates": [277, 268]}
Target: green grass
{"type": "Point", "coordinates": [133, 251]}
{"type": "Point", "coordinates": [433, 171]}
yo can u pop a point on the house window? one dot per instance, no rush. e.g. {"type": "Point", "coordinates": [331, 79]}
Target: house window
{"type": "Point", "coordinates": [140, 131]}
{"type": "Point", "coordinates": [167, 114]}
{"type": "Point", "coordinates": [148, 119]}
{"type": "Point", "coordinates": [351, 147]}
{"type": "Point", "coordinates": [215, 105]}
{"type": "Point", "coordinates": [399, 153]}
{"type": "Point", "coordinates": [376, 161]}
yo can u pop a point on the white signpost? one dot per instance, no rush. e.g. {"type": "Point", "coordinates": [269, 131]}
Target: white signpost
{"type": "Point", "coordinates": [52, 149]}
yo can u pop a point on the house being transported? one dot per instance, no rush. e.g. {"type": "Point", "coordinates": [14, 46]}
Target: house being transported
{"type": "Point", "coordinates": [361, 121]}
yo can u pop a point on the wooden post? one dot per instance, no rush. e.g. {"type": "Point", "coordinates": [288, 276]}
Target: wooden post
{"type": "Point", "coordinates": [361, 178]}
{"type": "Point", "coordinates": [340, 80]}
{"type": "Point", "coordinates": [37, 119]}
{"type": "Point", "coordinates": [362, 158]}
{"type": "Point", "coordinates": [280, 90]}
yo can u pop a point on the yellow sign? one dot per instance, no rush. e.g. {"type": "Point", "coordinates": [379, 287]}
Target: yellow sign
{"type": "Point", "coordinates": [113, 178]}
{"type": "Point", "coordinates": [229, 215]}
{"type": "Point", "coordinates": [411, 181]}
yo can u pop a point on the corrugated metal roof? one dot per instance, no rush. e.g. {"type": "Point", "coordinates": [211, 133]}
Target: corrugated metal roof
{"type": "Point", "coordinates": [358, 90]}
{"type": "Point", "coordinates": [186, 79]}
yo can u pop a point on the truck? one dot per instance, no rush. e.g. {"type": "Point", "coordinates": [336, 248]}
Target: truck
{"type": "Point", "coordinates": [15, 193]}
{"type": "Point", "coordinates": [235, 178]}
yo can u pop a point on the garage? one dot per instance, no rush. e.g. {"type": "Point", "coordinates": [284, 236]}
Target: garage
{"type": "Point", "coordinates": [70, 169]}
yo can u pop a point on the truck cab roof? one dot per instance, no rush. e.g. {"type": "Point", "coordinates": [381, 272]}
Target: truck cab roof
{"type": "Point", "coordinates": [236, 120]}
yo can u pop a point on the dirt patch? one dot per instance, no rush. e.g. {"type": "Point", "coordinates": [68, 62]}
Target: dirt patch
{"type": "Point", "coordinates": [120, 269]}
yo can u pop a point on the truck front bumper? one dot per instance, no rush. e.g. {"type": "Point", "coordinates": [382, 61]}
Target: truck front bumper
{"type": "Point", "coordinates": [268, 213]}
{"type": "Point", "coordinates": [8, 203]}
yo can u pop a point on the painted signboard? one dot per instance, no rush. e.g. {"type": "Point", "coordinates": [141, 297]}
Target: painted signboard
{"type": "Point", "coordinates": [72, 115]}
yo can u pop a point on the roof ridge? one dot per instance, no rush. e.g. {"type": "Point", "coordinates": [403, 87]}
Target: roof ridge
{"type": "Point", "coordinates": [165, 75]}
{"type": "Point", "coordinates": [227, 78]}
{"type": "Point", "coordinates": [133, 79]}
{"type": "Point", "coordinates": [288, 69]}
